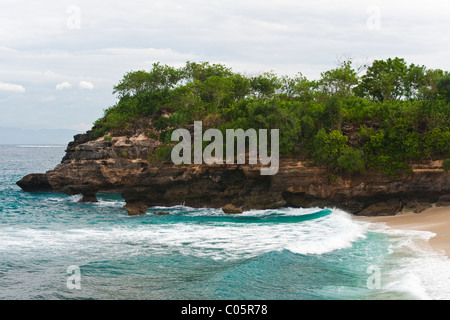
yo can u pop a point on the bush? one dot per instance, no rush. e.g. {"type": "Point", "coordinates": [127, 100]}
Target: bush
{"type": "Point", "coordinates": [351, 161]}
{"type": "Point", "coordinates": [443, 87]}
{"type": "Point", "coordinates": [161, 124]}
{"type": "Point", "coordinates": [329, 147]}
{"type": "Point", "coordinates": [436, 143]}
{"type": "Point", "coordinates": [161, 155]}
{"type": "Point", "coordinates": [446, 165]}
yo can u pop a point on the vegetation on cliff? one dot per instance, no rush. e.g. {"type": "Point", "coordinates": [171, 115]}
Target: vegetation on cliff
{"type": "Point", "coordinates": [381, 117]}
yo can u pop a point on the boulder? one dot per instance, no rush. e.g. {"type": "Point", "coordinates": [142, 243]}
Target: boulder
{"type": "Point", "coordinates": [136, 209]}
{"type": "Point", "coordinates": [162, 213]}
{"type": "Point", "coordinates": [383, 208]}
{"type": "Point", "coordinates": [35, 182]}
{"type": "Point", "coordinates": [231, 209]}
{"type": "Point", "coordinates": [87, 191]}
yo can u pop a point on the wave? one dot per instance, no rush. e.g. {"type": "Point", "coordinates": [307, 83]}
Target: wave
{"type": "Point", "coordinates": [217, 238]}
{"type": "Point", "coordinates": [186, 214]}
{"type": "Point", "coordinates": [409, 267]}
{"type": "Point", "coordinates": [413, 265]}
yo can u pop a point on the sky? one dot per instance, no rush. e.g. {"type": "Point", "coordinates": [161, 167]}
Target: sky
{"type": "Point", "coordinates": [59, 59]}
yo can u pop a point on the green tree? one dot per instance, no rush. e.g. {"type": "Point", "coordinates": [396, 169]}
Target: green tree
{"type": "Point", "coordinates": [413, 81]}
{"type": "Point", "coordinates": [265, 85]}
{"type": "Point", "coordinates": [242, 86]}
{"type": "Point", "coordinates": [217, 91]}
{"type": "Point", "coordinates": [339, 81]}
{"type": "Point", "coordinates": [203, 70]}
{"type": "Point", "coordinates": [132, 83]}
{"type": "Point", "coordinates": [443, 87]}
{"type": "Point", "coordinates": [159, 77]}
{"type": "Point", "coordinates": [384, 80]}
{"type": "Point", "coordinates": [429, 89]}
{"type": "Point", "coordinates": [298, 87]}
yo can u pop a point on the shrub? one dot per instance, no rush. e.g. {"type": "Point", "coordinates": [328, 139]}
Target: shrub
{"type": "Point", "coordinates": [446, 165]}
{"type": "Point", "coordinates": [436, 143]}
{"type": "Point", "coordinates": [161, 123]}
{"type": "Point", "coordinates": [161, 155]}
{"type": "Point", "coordinates": [351, 161]}
{"type": "Point", "coordinates": [329, 147]}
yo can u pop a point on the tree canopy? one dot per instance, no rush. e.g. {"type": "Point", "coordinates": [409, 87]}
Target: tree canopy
{"type": "Point", "coordinates": [388, 117]}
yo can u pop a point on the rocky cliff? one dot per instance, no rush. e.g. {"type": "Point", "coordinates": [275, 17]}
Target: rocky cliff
{"type": "Point", "coordinates": [120, 164]}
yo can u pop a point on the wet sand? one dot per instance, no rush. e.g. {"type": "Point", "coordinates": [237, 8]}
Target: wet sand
{"type": "Point", "coordinates": [435, 220]}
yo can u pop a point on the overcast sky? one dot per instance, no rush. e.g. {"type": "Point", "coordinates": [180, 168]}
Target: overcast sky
{"type": "Point", "coordinates": [59, 60]}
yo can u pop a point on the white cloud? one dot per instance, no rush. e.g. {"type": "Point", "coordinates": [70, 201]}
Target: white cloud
{"type": "Point", "coordinates": [63, 85]}
{"type": "Point", "coordinates": [40, 50]}
{"type": "Point", "coordinates": [86, 85]}
{"type": "Point", "coordinates": [11, 87]}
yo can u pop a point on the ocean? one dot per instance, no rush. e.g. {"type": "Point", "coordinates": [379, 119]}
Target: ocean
{"type": "Point", "coordinates": [54, 248]}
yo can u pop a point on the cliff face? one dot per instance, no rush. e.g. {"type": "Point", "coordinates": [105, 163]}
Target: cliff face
{"type": "Point", "coordinates": [120, 164]}
{"type": "Point", "coordinates": [91, 166]}
{"type": "Point", "coordinates": [294, 185]}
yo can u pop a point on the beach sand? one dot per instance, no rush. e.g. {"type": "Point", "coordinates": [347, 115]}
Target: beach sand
{"type": "Point", "coordinates": [435, 220]}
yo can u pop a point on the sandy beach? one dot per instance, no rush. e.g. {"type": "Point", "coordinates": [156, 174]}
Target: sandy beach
{"type": "Point", "coordinates": [435, 219]}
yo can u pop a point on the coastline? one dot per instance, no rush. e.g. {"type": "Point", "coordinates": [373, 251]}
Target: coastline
{"type": "Point", "coordinates": [434, 219]}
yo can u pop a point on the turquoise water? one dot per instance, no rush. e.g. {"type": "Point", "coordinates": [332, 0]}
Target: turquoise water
{"type": "Point", "coordinates": [285, 254]}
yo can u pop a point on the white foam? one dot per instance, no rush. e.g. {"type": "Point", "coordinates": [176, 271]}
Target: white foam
{"type": "Point", "coordinates": [410, 267]}
{"type": "Point", "coordinates": [215, 238]}
{"type": "Point", "coordinates": [416, 267]}
{"type": "Point", "coordinates": [76, 198]}
{"type": "Point", "coordinates": [109, 203]}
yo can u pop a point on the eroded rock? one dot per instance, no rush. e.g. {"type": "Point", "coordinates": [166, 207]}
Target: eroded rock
{"type": "Point", "coordinates": [231, 209]}
{"type": "Point", "coordinates": [35, 182]}
{"type": "Point", "coordinates": [136, 209]}
{"type": "Point", "coordinates": [120, 164]}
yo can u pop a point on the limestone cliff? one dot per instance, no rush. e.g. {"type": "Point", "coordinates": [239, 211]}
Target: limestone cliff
{"type": "Point", "coordinates": [121, 164]}
{"type": "Point", "coordinates": [294, 185]}
{"type": "Point", "coordinates": [95, 165]}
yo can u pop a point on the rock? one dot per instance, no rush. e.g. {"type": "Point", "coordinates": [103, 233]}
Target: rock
{"type": "Point", "coordinates": [136, 209]}
{"type": "Point", "coordinates": [231, 209]}
{"type": "Point", "coordinates": [295, 186]}
{"type": "Point", "coordinates": [416, 206]}
{"type": "Point", "coordinates": [87, 191]}
{"type": "Point", "coordinates": [100, 163]}
{"type": "Point", "coordinates": [119, 164]}
{"type": "Point", "coordinates": [35, 182]}
{"type": "Point", "coordinates": [383, 208]}
{"type": "Point", "coordinates": [444, 201]}
{"type": "Point", "coordinates": [89, 198]}
{"type": "Point", "coordinates": [161, 213]}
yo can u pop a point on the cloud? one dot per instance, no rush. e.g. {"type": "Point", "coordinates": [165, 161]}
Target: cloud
{"type": "Point", "coordinates": [86, 85]}
{"type": "Point", "coordinates": [63, 85]}
{"type": "Point", "coordinates": [39, 49]}
{"type": "Point", "coordinates": [11, 87]}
